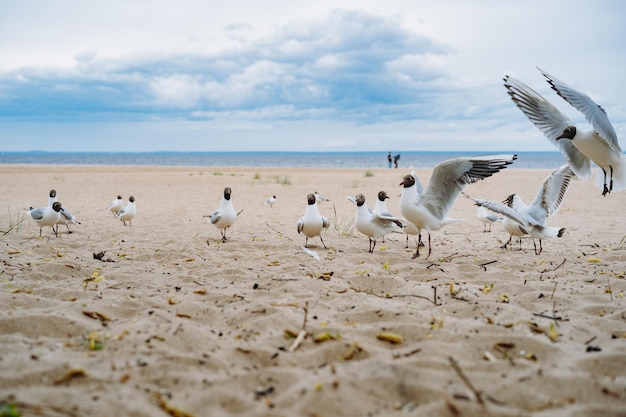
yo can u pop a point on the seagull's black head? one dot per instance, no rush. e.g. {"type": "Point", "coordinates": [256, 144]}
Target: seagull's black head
{"type": "Point", "coordinates": [119, 197]}
{"type": "Point", "coordinates": [131, 199]}
{"type": "Point", "coordinates": [382, 196]}
{"type": "Point", "coordinates": [360, 200]}
{"type": "Point", "coordinates": [310, 199]}
{"type": "Point", "coordinates": [227, 193]}
{"type": "Point", "coordinates": [408, 181]}
{"type": "Point", "coordinates": [568, 133]}
{"type": "Point", "coordinates": [53, 193]}
{"type": "Point", "coordinates": [56, 206]}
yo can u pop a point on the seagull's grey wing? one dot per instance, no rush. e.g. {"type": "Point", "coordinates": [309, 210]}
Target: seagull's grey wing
{"type": "Point", "coordinates": [386, 218]}
{"type": "Point", "coordinates": [68, 216]}
{"type": "Point", "coordinates": [450, 177]}
{"type": "Point", "coordinates": [492, 217]}
{"type": "Point", "coordinates": [215, 216]}
{"type": "Point", "coordinates": [300, 224]}
{"type": "Point", "coordinates": [37, 213]}
{"type": "Point", "coordinates": [418, 184]}
{"type": "Point", "coordinates": [503, 209]}
{"type": "Point", "coordinates": [553, 189]}
{"type": "Point", "coordinates": [549, 120]}
{"type": "Point", "coordinates": [594, 113]}
{"type": "Point", "coordinates": [325, 223]}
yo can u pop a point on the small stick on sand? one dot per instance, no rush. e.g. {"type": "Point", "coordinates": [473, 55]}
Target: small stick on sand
{"type": "Point", "coordinates": [465, 379]}
{"type": "Point", "coordinates": [484, 265]}
{"type": "Point", "coordinates": [296, 343]}
{"type": "Point", "coordinates": [281, 235]}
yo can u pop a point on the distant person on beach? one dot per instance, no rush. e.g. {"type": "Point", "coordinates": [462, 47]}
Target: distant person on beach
{"type": "Point", "coordinates": [395, 160]}
{"type": "Point", "coordinates": [390, 159]}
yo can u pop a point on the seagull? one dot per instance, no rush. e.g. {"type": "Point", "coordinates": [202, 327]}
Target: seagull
{"type": "Point", "coordinates": [225, 215]}
{"type": "Point", "coordinates": [487, 217]}
{"type": "Point", "coordinates": [428, 210]}
{"type": "Point", "coordinates": [128, 212]}
{"type": "Point", "coordinates": [319, 198]}
{"type": "Point", "coordinates": [46, 216]}
{"type": "Point", "coordinates": [381, 206]}
{"type": "Point", "coordinates": [271, 201]}
{"type": "Point", "coordinates": [381, 203]}
{"type": "Point", "coordinates": [66, 216]}
{"type": "Point", "coordinates": [579, 147]}
{"type": "Point", "coordinates": [410, 228]}
{"type": "Point", "coordinates": [116, 205]}
{"type": "Point", "coordinates": [521, 219]}
{"type": "Point", "coordinates": [312, 223]}
{"type": "Point", "coordinates": [52, 197]}
{"type": "Point", "coordinates": [373, 225]}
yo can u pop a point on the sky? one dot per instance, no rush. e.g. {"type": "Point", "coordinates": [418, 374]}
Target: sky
{"type": "Point", "coordinates": [194, 75]}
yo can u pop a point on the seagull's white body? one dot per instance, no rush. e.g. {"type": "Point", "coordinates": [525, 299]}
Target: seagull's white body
{"type": "Point", "coordinates": [116, 205]}
{"type": "Point", "coordinates": [128, 212]}
{"type": "Point", "coordinates": [579, 147]}
{"type": "Point", "coordinates": [429, 210]}
{"type": "Point", "coordinates": [521, 219]}
{"type": "Point", "coordinates": [312, 223]}
{"type": "Point", "coordinates": [225, 216]}
{"type": "Point", "coordinates": [373, 225]}
{"type": "Point", "coordinates": [46, 216]}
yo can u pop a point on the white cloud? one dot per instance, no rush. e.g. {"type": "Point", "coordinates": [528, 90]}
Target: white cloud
{"type": "Point", "coordinates": [420, 74]}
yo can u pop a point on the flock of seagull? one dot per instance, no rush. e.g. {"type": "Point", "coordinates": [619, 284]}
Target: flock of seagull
{"type": "Point", "coordinates": [426, 209]}
{"type": "Point", "coordinates": [55, 214]}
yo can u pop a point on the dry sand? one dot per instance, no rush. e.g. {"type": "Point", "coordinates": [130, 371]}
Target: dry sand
{"type": "Point", "coordinates": [176, 323]}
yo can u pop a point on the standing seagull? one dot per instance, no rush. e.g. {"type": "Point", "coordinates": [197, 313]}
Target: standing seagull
{"type": "Point", "coordinates": [116, 205]}
{"type": "Point", "coordinates": [46, 216]}
{"type": "Point", "coordinates": [128, 212]}
{"type": "Point", "coordinates": [52, 197]}
{"type": "Point", "coordinates": [312, 223]}
{"type": "Point", "coordinates": [410, 228]}
{"type": "Point", "coordinates": [270, 201]}
{"type": "Point", "coordinates": [429, 210]}
{"type": "Point", "coordinates": [373, 225]}
{"type": "Point", "coordinates": [225, 215]}
{"type": "Point", "coordinates": [381, 203]}
{"type": "Point", "coordinates": [521, 219]}
{"type": "Point", "coordinates": [66, 216]}
{"type": "Point", "coordinates": [579, 147]}
{"type": "Point", "coordinates": [487, 217]}
{"type": "Point", "coordinates": [381, 206]}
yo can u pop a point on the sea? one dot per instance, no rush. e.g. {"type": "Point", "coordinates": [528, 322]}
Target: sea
{"type": "Point", "coordinates": [363, 160]}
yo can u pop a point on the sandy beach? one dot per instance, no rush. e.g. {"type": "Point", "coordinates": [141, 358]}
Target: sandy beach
{"type": "Point", "coordinates": [171, 321]}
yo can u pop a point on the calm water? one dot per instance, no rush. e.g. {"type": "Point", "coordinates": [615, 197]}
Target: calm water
{"type": "Point", "coordinates": [365, 160]}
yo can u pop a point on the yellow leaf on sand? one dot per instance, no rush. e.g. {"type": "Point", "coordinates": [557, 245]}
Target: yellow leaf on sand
{"type": "Point", "coordinates": [390, 337]}
{"type": "Point", "coordinates": [594, 260]}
